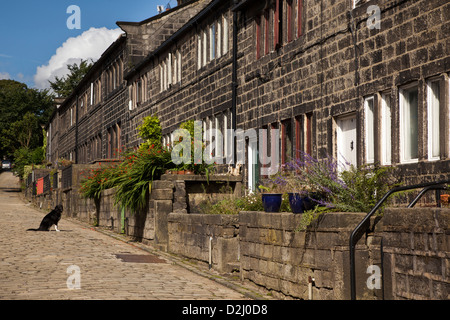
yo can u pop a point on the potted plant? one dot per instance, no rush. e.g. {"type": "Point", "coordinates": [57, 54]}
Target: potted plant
{"type": "Point", "coordinates": [272, 195]}
{"type": "Point", "coordinates": [299, 193]}
{"type": "Point", "coordinates": [293, 181]}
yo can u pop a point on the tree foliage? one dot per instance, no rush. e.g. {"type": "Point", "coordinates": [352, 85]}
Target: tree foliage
{"type": "Point", "coordinates": [64, 86]}
{"type": "Point", "coordinates": [23, 111]}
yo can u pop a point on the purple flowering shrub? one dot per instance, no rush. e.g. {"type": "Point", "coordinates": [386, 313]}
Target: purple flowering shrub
{"type": "Point", "coordinates": [346, 189]}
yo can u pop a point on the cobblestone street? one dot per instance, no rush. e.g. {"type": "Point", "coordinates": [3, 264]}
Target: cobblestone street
{"type": "Point", "coordinates": [38, 265]}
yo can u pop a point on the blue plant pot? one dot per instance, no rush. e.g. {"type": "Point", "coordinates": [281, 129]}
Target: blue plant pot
{"type": "Point", "coordinates": [299, 203]}
{"type": "Point", "coordinates": [271, 202]}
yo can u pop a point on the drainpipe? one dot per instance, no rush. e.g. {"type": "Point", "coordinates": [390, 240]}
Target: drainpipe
{"type": "Point", "coordinates": [76, 131]}
{"type": "Point", "coordinates": [234, 80]}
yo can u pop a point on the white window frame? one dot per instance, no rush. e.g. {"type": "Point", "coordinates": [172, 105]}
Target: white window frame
{"type": "Point", "coordinates": [369, 115]}
{"type": "Point", "coordinates": [386, 129]}
{"type": "Point", "coordinates": [199, 51]}
{"type": "Point", "coordinates": [404, 115]}
{"type": "Point", "coordinates": [169, 70]}
{"type": "Point", "coordinates": [433, 126]}
{"type": "Point", "coordinates": [219, 38]}
{"type": "Point", "coordinates": [178, 66]}
{"type": "Point", "coordinates": [225, 134]}
{"type": "Point", "coordinates": [212, 41]}
{"type": "Point", "coordinates": [225, 35]}
{"type": "Point", "coordinates": [204, 129]}
{"type": "Point", "coordinates": [92, 93]}
{"type": "Point", "coordinates": [205, 41]}
{"type": "Point", "coordinates": [161, 77]}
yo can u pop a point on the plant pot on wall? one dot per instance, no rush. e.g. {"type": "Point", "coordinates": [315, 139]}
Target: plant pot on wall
{"type": "Point", "coordinates": [300, 203]}
{"type": "Point", "coordinates": [296, 202]}
{"type": "Point", "coordinates": [272, 202]}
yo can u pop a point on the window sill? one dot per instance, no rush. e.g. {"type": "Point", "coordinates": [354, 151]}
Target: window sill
{"type": "Point", "coordinates": [409, 161]}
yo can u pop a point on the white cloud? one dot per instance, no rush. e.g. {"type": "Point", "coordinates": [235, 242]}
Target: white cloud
{"type": "Point", "coordinates": [4, 76]}
{"type": "Point", "coordinates": [89, 45]}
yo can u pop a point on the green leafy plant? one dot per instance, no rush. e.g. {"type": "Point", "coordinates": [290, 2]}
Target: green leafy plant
{"type": "Point", "coordinates": [97, 180]}
{"type": "Point", "coordinates": [133, 177]}
{"type": "Point", "coordinates": [137, 173]}
{"type": "Point", "coordinates": [196, 168]}
{"type": "Point", "coordinates": [233, 204]}
{"type": "Point", "coordinates": [355, 189]}
{"type": "Point", "coordinates": [150, 131]}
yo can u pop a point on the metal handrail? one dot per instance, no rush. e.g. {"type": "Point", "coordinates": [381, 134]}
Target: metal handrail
{"type": "Point", "coordinates": [427, 186]}
{"type": "Point", "coordinates": [425, 190]}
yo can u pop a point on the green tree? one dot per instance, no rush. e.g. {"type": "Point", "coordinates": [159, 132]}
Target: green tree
{"type": "Point", "coordinates": [16, 101]}
{"type": "Point", "coordinates": [150, 131]}
{"type": "Point", "coordinates": [64, 86]}
{"type": "Point", "coordinates": [24, 133]}
{"type": "Point", "coordinates": [26, 156]}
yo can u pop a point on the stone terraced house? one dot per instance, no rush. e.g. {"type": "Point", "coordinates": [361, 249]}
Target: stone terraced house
{"type": "Point", "coordinates": [364, 81]}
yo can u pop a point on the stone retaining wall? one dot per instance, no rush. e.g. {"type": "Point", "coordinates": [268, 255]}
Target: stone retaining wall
{"type": "Point", "coordinates": [416, 245]}
{"type": "Point", "coordinates": [192, 235]}
{"type": "Point", "coordinates": [276, 256]}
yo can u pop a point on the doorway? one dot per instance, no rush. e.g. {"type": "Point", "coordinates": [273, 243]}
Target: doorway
{"type": "Point", "coordinates": [346, 141]}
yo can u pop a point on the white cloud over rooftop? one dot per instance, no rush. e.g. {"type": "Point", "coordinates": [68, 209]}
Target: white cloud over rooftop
{"type": "Point", "coordinates": [88, 46]}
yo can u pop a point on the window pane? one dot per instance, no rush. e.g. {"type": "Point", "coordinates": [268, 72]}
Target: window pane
{"type": "Point", "coordinates": [410, 124]}
{"type": "Point", "coordinates": [287, 141]}
{"type": "Point", "coordinates": [370, 140]}
{"type": "Point", "coordinates": [204, 47]}
{"type": "Point", "coordinates": [433, 120]}
{"type": "Point", "coordinates": [199, 52]}
{"type": "Point", "coordinates": [225, 35]}
{"type": "Point", "coordinates": [212, 42]}
{"type": "Point", "coordinates": [386, 129]}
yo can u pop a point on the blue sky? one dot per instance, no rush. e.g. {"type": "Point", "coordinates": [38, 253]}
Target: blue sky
{"type": "Point", "coordinates": [32, 31]}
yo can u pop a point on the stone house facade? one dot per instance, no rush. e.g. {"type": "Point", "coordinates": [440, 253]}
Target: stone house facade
{"type": "Point", "coordinates": [364, 81]}
{"type": "Point", "coordinates": [89, 124]}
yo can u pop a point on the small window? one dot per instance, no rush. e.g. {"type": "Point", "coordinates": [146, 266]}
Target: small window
{"type": "Point", "coordinates": [258, 37]}
{"type": "Point", "coordinates": [219, 37]}
{"type": "Point", "coordinates": [266, 31]}
{"type": "Point", "coordinates": [278, 24]}
{"type": "Point", "coordinates": [204, 42]}
{"type": "Point", "coordinates": [409, 113]}
{"type": "Point", "coordinates": [386, 132]}
{"type": "Point", "coordinates": [199, 51]}
{"type": "Point", "coordinates": [178, 66]}
{"type": "Point", "coordinates": [286, 141]}
{"type": "Point", "coordinates": [225, 35]}
{"type": "Point", "coordinates": [433, 120]}
{"type": "Point", "coordinates": [370, 130]}
{"type": "Point", "coordinates": [299, 17]}
{"type": "Point", "coordinates": [139, 91]}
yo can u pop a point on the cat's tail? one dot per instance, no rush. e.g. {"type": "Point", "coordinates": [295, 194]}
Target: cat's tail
{"type": "Point", "coordinates": [32, 229]}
